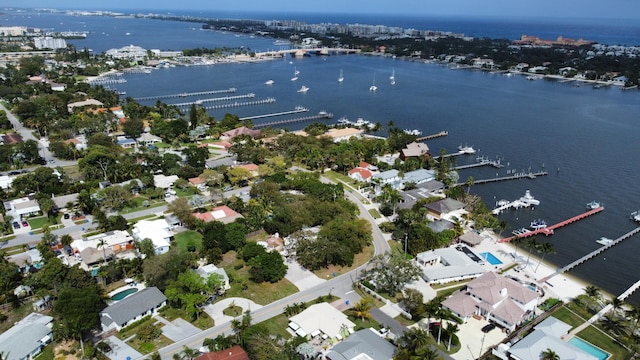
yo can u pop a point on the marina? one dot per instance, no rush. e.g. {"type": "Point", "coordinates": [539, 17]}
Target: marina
{"type": "Point", "coordinates": [241, 104]}
{"type": "Point", "coordinates": [187, 94]}
{"type": "Point", "coordinates": [322, 115]}
{"type": "Point", "coordinates": [224, 98]}
{"type": "Point", "coordinates": [482, 162]}
{"type": "Point", "coordinates": [298, 109]}
{"type": "Point", "coordinates": [550, 229]}
{"type": "Point", "coordinates": [517, 176]}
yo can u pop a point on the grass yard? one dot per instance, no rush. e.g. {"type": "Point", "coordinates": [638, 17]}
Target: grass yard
{"type": "Point", "coordinates": [38, 222]}
{"type": "Point", "coordinates": [242, 286]}
{"type": "Point", "coordinates": [136, 204]}
{"type": "Point", "coordinates": [189, 191]}
{"type": "Point", "coordinates": [567, 316]}
{"type": "Point", "coordinates": [374, 214]}
{"type": "Point", "coordinates": [446, 292]}
{"type": "Point", "coordinates": [277, 326]}
{"type": "Point", "coordinates": [604, 342]}
{"type": "Point", "coordinates": [203, 322]}
{"type": "Point", "coordinates": [144, 347]}
{"type": "Point", "coordinates": [359, 259]}
{"type": "Point", "coordinates": [188, 239]}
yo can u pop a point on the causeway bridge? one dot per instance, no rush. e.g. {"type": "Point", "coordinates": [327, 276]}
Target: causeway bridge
{"type": "Point", "coordinates": [304, 51]}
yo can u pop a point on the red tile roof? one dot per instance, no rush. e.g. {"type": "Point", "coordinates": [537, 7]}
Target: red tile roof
{"type": "Point", "coordinates": [234, 353]}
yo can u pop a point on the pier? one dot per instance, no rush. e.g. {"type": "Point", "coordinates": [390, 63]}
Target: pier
{"type": "Point", "coordinates": [594, 254]}
{"type": "Point", "coordinates": [298, 109]}
{"type": "Point", "coordinates": [550, 229]}
{"type": "Point", "coordinates": [527, 175]}
{"type": "Point", "coordinates": [483, 162]}
{"type": "Point", "coordinates": [321, 116]}
{"type": "Point", "coordinates": [433, 136]}
{"type": "Point", "coordinates": [199, 93]}
{"type": "Point", "coordinates": [224, 98]}
{"type": "Point", "coordinates": [241, 104]}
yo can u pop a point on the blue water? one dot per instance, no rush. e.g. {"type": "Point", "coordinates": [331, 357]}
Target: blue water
{"type": "Point", "coordinates": [123, 294]}
{"type": "Point", "coordinates": [587, 347]}
{"type": "Point", "coordinates": [492, 259]}
{"type": "Point", "coordinates": [586, 138]}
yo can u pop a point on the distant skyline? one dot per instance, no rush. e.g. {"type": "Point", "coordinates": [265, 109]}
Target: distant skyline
{"type": "Point", "coordinates": [610, 9]}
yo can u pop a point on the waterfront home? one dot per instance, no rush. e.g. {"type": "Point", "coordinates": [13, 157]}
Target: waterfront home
{"type": "Point", "coordinates": [482, 63]}
{"type": "Point", "coordinates": [131, 52]}
{"type": "Point", "coordinates": [446, 209]}
{"type": "Point", "coordinates": [499, 299]}
{"type": "Point", "coordinates": [223, 213]}
{"type": "Point", "coordinates": [419, 176]}
{"type": "Point", "coordinates": [363, 344]}
{"type": "Point", "coordinates": [132, 308]}
{"type": "Point", "coordinates": [155, 230]}
{"type": "Point", "coordinates": [80, 104]}
{"type": "Point", "coordinates": [27, 337]}
{"type": "Point", "coordinates": [321, 319]}
{"type": "Point", "coordinates": [546, 335]}
{"type": "Point", "coordinates": [424, 190]}
{"type": "Point", "coordinates": [233, 353]}
{"type": "Point", "coordinates": [229, 135]}
{"type": "Point", "coordinates": [414, 150]}
{"type": "Point", "coordinates": [445, 265]}
{"type": "Point", "coordinates": [471, 238]}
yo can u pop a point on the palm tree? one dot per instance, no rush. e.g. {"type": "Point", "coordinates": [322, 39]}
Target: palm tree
{"type": "Point", "coordinates": [362, 308]}
{"type": "Point", "coordinates": [616, 305]}
{"type": "Point", "coordinates": [102, 244]}
{"type": "Point", "coordinates": [634, 314]}
{"type": "Point", "coordinates": [545, 248]}
{"type": "Point", "coordinates": [452, 328]}
{"type": "Point", "coordinates": [549, 355]}
{"type": "Point", "coordinates": [531, 243]}
{"type": "Point", "coordinates": [469, 182]}
{"type": "Point", "coordinates": [593, 293]}
{"type": "Point", "coordinates": [426, 353]}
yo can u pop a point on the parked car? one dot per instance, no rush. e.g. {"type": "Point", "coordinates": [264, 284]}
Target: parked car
{"type": "Point", "coordinates": [16, 225]}
{"type": "Point", "coordinates": [25, 223]}
{"type": "Point", "coordinates": [65, 216]}
{"type": "Point", "coordinates": [228, 188]}
{"type": "Point", "coordinates": [488, 327]}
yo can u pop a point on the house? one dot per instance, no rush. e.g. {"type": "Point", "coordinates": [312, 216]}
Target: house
{"type": "Point", "coordinates": [92, 256]}
{"type": "Point", "coordinates": [414, 150]}
{"type": "Point", "coordinates": [499, 299]}
{"type": "Point", "coordinates": [321, 319]}
{"type": "Point", "coordinates": [164, 181]}
{"type": "Point", "coordinates": [223, 161]}
{"type": "Point", "coordinates": [471, 238]}
{"type": "Point", "coordinates": [425, 190]}
{"type": "Point", "coordinates": [155, 230]}
{"type": "Point", "coordinates": [11, 139]}
{"type": "Point", "coordinates": [5, 182]}
{"type": "Point", "coordinates": [116, 241]}
{"type": "Point", "coordinates": [90, 102]}
{"type": "Point", "coordinates": [360, 174]}
{"type": "Point", "coordinates": [125, 142]}
{"type": "Point", "coordinates": [440, 225]}
{"type": "Point", "coordinates": [210, 269]}
{"type": "Point", "coordinates": [233, 353]}
{"type": "Point", "coordinates": [27, 337]}
{"type": "Point", "coordinates": [391, 177]}
{"type": "Point", "coordinates": [132, 308]}
{"type": "Point", "coordinates": [251, 168]}
{"type": "Point", "coordinates": [22, 207]}
{"type": "Point", "coordinates": [148, 139]}
{"type": "Point", "coordinates": [448, 264]}
{"type": "Point", "coordinates": [546, 335]}
{"type": "Point", "coordinates": [446, 208]}
{"type": "Point", "coordinates": [363, 344]}
{"type": "Point", "coordinates": [343, 134]}
{"type": "Point", "coordinates": [419, 176]}
{"type": "Point", "coordinates": [229, 135]}
{"type": "Point", "coordinates": [222, 213]}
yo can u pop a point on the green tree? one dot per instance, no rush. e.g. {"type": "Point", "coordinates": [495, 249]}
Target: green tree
{"type": "Point", "coordinates": [362, 308]}
{"type": "Point", "coordinates": [133, 127]}
{"type": "Point", "coordinates": [77, 310]}
{"type": "Point", "coordinates": [392, 271]}
{"type": "Point", "coordinates": [549, 354]}
{"type": "Point", "coordinates": [545, 248]}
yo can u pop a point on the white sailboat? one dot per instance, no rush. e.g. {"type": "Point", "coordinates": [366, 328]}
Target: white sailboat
{"type": "Point", "coordinates": [392, 78]}
{"type": "Point", "coordinates": [296, 71]}
{"type": "Point", "coordinates": [341, 77]}
{"type": "Point", "coordinates": [303, 89]}
{"type": "Point", "coordinates": [373, 87]}
{"type": "Point", "coordinates": [295, 74]}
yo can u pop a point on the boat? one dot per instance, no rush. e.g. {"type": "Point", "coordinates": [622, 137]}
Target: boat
{"type": "Point", "coordinates": [373, 87]}
{"type": "Point", "coordinates": [281, 42]}
{"type": "Point", "coordinates": [520, 232]}
{"type": "Point", "coordinates": [502, 202]}
{"type": "Point", "coordinates": [344, 121]}
{"type": "Point", "coordinates": [635, 216]}
{"type": "Point", "coordinates": [303, 89]}
{"type": "Point", "coordinates": [538, 224]}
{"type": "Point", "coordinates": [183, 95]}
{"type": "Point", "coordinates": [528, 199]}
{"type": "Point", "coordinates": [341, 77]}
{"type": "Point", "coordinates": [466, 149]}
{"type": "Point", "coordinates": [392, 78]}
{"type": "Point", "coordinates": [593, 205]}
{"type": "Point", "coordinates": [268, 82]}
{"type": "Point", "coordinates": [414, 132]}
{"type": "Point", "coordinates": [295, 74]}
{"type": "Point", "coordinates": [604, 241]}
{"type": "Point", "coordinates": [122, 92]}
{"type": "Point", "coordinates": [296, 71]}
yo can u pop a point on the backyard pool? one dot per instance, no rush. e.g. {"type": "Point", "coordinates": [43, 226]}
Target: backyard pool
{"type": "Point", "coordinates": [490, 258]}
{"type": "Point", "coordinates": [123, 294]}
{"type": "Point", "coordinates": [588, 348]}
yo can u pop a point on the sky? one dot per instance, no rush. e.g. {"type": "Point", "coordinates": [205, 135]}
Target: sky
{"type": "Point", "coordinates": [607, 9]}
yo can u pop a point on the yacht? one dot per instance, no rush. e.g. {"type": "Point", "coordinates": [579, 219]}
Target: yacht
{"type": "Point", "coordinates": [282, 42]}
{"type": "Point", "coordinates": [373, 87]}
{"type": "Point", "coordinates": [604, 241]}
{"type": "Point", "coordinates": [466, 149]}
{"type": "Point", "coordinates": [296, 71]}
{"type": "Point", "coordinates": [268, 82]}
{"type": "Point", "coordinates": [392, 78]}
{"type": "Point", "coordinates": [303, 89]}
{"type": "Point", "coordinates": [593, 205]}
{"type": "Point", "coordinates": [635, 216]}
{"type": "Point", "coordinates": [344, 121]}
{"type": "Point", "coordinates": [341, 77]}
{"type": "Point", "coordinates": [520, 232]}
{"type": "Point", "coordinates": [502, 202]}
{"type": "Point", "coordinates": [414, 132]}
{"type": "Point", "coordinates": [538, 224]}
{"type": "Point", "coordinates": [295, 74]}
{"type": "Point", "coordinates": [528, 199]}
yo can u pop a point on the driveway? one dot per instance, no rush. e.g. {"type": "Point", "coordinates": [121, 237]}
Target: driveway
{"type": "Point", "coordinates": [473, 341]}
{"type": "Point", "coordinates": [302, 278]}
{"type": "Point", "coordinates": [177, 329]}
{"type": "Point", "coordinates": [216, 310]}
{"type": "Point", "coordinates": [120, 350]}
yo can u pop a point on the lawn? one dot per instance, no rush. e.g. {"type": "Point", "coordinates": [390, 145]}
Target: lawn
{"type": "Point", "coordinates": [277, 325]}
{"type": "Point", "coordinates": [446, 292]}
{"type": "Point", "coordinates": [604, 342]}
{"type": "Point", "coordinates": [189, 191]}
{"type": "Point", "coordinates": [374, 214]}
{"type": "Point", "coordinates": [203, 322]}
{"type": "Point", "coordinates": [567, 316]}
{"type": "Point", "coordinates": [242, 286]}
{"type": "Point", "coordinates": [136, 204]}
{"type": "Point", "coordinates": [38, 222]}
{"type": "Point", "coordinates": [188, 239]}
{"type": "Point", "coordinates": [359, 259]}
{"type": "Point", "coordinates": [144, 347]}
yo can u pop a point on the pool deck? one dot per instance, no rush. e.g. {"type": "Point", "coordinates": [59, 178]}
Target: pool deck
{"type": "Point", "coordinates": [138, 286]}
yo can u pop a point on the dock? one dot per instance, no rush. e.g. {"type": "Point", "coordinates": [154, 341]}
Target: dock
{"type": "Point", "coordinates": [223, 98]}
{"type": "Point", "coordinates": [320, 116]}
{"type": "Point", "coordinates": [484, 162]}
{"type": "Point", "coordinates": [240, 104]}
{"type": "Point", "coordinates": [199, 93]}
{"type": "Point", "coordinates": [550, 229]}
{"type": "Point", "coordinates": [433, 136]}
{"type": "Point", "coordinates": [298, 109]}
{"type": "Point", "coordinates": [517, 176]}
{"type": "Point", "coordinates": [594, 254]}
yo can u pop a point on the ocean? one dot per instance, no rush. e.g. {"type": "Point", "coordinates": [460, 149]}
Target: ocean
{"type": "Point", "coordinates": [586, 138]}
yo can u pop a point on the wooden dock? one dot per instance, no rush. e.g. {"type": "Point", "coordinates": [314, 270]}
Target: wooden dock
{"type": "Point", "coordinates": [298, 109]}
{"type": "Point", "coordinates": [550, 229]}
{"type": "Point", "coordinates": [322, 115]}
{"type": "Point", "coordinates": [199, 93]}
{"type": "Point", "coordinates": [495, 163]}
{"type": "Point", "coordinates": [224, 98]}
{"type": "Point", "coordinates": [241, 104]}
{"type": "Point", "coordinates": [433, 136]}
{"type": "Point", "coordinates": [594, 254]}
{"type": "Point", "coordinates": [528, 175]}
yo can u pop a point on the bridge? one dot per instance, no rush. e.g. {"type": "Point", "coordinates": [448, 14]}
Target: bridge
{"type": "Point", "coordinates": [303, 52]}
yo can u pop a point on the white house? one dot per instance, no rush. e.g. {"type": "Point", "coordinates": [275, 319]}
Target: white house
{"type": "Point", "coordinates": [164, 181]}
{"type": "Point", "coordinates": [321, 318]}
{"type": "Point", "coordinates": [155, 230]}
{"type": "Point", "coordinates": [210, 269]}
{"type": "Point", "coordinates": [446, 265]}
{"type": "Point", "coordinates": [27, 337]}
{"type": "Point", "coordinates": [22, 207]}
{"type": "Point", "coordinates": [132, 308]}
{"type": "Point", "coordinates": [117, 240]}
{"type": "Point", "coordinates": [499, 299]}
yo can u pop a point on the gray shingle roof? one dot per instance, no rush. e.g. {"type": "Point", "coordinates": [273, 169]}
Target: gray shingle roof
{"type": "Point", "coordinates": [24, 337]}
{"type": "Point", "coordinates": [132, 306]}
{"type": "Point", "coordinates": [365, 341]}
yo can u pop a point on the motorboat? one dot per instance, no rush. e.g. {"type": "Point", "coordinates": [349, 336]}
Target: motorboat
{"type": "Point", "coordinates": [466, 149]}
{"type": "Point", "coordinates": [341, 77]}
{"type": "Point", "coordinates": [635, 216]}
{"type": "Point", "coordinates": [414, 132]}
{"type": "Point", "coordinates": [604, 241]}
{"type": "Point", "coordinates": [303, 89]}
{"type": "Point", "coordinates": [520, 232]}
{"type": "Point", "coordinates": [538, 224]}
{"type": "Point", "coordinates": [344, 121]}
{"type": "Point", "coordinates": [392, 78]}
{"type": "Point", "coordinates": [295, 74]}
{"type": "Point", "coordinates": [528, 199]}
{"type": "Point", "coordinates": [373, 87]}
{"type": "Point", "coordinates": [502, 202]}
{"type": "Point", "coordinates": [269, 82]}
{"type": "Point", "coordinates": [593, 205]}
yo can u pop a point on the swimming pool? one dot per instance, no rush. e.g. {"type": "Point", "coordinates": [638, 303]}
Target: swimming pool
{"type": "Point", "coordinates": [492, 259]}
{"type": "Point", "coordinates": [123, 294]}
{"type": "Point", "coordinates": [588, 348]}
